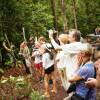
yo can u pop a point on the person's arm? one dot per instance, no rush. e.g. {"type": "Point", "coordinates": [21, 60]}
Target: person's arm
{"type": "Point", "coordinates": [97, 66]}
{"type": "Point", "coordinates": [98, 75]}
{"type": "Point", "coordinates": [21, 49]}
{"type": "Point", "coordinates": [98, 81]}
{"type": "Point", "coordinates": [91, 82]}
{"type": "Point", "coordinates": [53, 42]}
{"type": "Point", "coordinates": [55, 45]}
{"type": "Point", "coordinates": [69, 48]}
{"type": "Point", "coordinates": [8, 49]}
{"type": "Point", "coordinates": [81, 74]}
{"type": "Point", "coordinates": [72, 48]}
{"type": "Point", "coordinates": [75, 78]}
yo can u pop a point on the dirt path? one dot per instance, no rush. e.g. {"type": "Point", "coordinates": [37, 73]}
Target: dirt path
{"type": "Point", "coordinates": [39, 86]}
{"type": "Point", "coordinates": [61, 93]}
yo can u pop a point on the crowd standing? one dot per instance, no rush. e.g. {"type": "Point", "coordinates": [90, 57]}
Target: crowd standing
{"type": "Point", "coordinates": [78, 73]}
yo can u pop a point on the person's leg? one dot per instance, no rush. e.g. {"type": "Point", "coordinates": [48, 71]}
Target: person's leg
{"type": "Point", "coordinates": [54, 82]}
{"type": "Point", "coordinates": [32, 69]}
{"type": "Point", "coordinates": [46, 79]}
{"type": "Point", "coordinates": [37, 68]}
{"type": "Point", "coordinates": [26, 68]}
{"type": "Point", "coordinates": [41, 73]}
{"type": "Point", "coordinates": [29, 65]}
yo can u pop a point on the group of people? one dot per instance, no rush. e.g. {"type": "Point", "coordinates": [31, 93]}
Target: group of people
{"type": "Point", "coordinates": [72, 60]}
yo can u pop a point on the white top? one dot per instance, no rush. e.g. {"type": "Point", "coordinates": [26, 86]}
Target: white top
{"type": "Point", "coordinates": [61, 60]}
{"type": "Point", "coordinates": [38, 56]}
{"type": "Point", "coordinates": [70, 51]}
{"type": "Point", "coordinates": [71, 48]}
{"type": "Point", "coordinates": [47, 62]}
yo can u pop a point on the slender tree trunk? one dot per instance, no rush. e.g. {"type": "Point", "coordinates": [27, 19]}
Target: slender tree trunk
{"type": "Point", "coordinates": [54, 14]}
{"type": "Point", "coordinates": [65, 26]}
{"type": "Point", "coordinates": [74, 12]}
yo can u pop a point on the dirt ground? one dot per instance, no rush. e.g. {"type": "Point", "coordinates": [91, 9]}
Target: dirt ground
{"type": "Point", "coordinates": [39, 86]}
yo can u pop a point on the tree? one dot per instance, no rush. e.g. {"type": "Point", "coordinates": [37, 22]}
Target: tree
{"type": "Point", "coordinates": [65, 26]}
{"type": "Point", "coordinates": [53, 7]}
{"type": "Point", "coordinates": [74, 13]}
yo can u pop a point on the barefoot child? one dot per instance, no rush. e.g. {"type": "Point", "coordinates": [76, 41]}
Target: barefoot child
{"type": "Point", "coordinates": [48, 66]}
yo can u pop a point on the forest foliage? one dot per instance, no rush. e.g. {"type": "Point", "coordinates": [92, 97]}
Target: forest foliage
{"type": "Point", "coordinates": [37, 16]}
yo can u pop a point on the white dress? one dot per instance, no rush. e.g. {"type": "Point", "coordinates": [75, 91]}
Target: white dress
{"type": "Point", "coordinates": [61, 65]}
{"type": "Point", "coordinates": [70, 51]}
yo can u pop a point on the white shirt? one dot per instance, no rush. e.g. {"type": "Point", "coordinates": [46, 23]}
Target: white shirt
{"type": "Point", "coordinates": [47, 62]}
{"type": "Point", "coordinates": [70, 50]}
{"type": "Point", "coordinates": [61, 60]}
{"type": "Point", "coordinates": [38, 57]}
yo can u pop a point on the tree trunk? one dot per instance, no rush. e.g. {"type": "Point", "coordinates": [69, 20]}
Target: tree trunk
{"type": "Point", "coordinates": [65, 26]}
{"type": "Point", "coordinates": [54, 14]}
{"type": "Point", "coordinates": [74, 12]}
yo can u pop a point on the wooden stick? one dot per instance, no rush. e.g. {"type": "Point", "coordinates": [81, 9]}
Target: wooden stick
{"type": "Point", "coordinates": [24, 34]}
{"type": "Point", "coordinates": [7, 40]}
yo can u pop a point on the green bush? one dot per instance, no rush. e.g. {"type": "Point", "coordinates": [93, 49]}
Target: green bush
{"type": "Point", "coordinates": [18, 87]}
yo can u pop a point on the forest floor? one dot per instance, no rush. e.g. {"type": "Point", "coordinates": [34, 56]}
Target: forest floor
{"type": "Point", "coordinates": [37, 85]}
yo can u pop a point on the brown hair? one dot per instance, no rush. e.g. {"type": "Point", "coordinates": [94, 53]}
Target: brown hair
{"type": "Point", "coordinates": [76, 34]}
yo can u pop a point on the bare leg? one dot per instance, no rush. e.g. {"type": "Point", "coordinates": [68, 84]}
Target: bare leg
{"type": "Point", "coordinates": [54, 82]}
{"type": "Point", "coordinates": [46, 79]}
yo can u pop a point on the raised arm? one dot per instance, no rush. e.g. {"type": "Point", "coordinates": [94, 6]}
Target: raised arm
{"type": "Point", "coordinates": [71, 48]}
{"type": "Point", "coordinates": [8, 49]}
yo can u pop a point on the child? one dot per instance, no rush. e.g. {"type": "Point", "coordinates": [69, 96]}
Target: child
{"type": "Point", "coordinates": [38, 56]}
{"type": "Point", "coordinates": [38, 62]}
{"type": "Point", "coordinates": [48, 66]}
{"type": "Point", "coordinates": [40, 41]}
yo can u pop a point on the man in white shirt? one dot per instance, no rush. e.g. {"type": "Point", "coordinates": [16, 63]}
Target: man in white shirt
{"type": "Point", "coordinates": [70, 49]}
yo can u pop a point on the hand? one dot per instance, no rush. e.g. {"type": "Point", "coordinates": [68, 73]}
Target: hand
{"type": "Point", "coordinates": [80, 60]}
{"type": "Point", "coordinates": [91, 82]}
{"type": "Point", "coordinates": [50, 34]}
{"type": "Point", "coordinates": [20, 53]}
{"type": "Point", "coordinates": [71, 80]}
